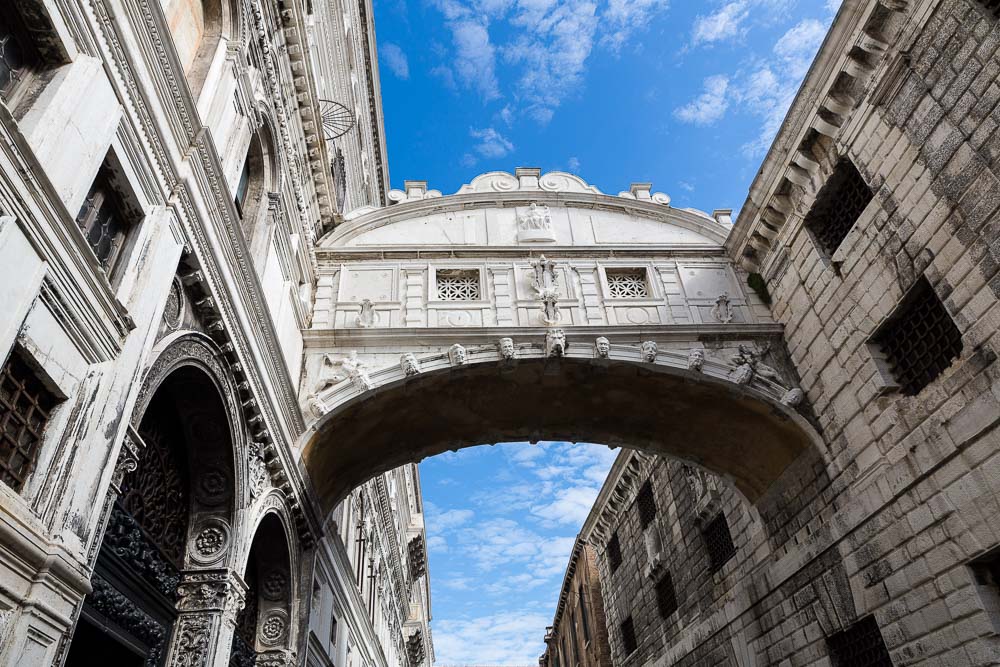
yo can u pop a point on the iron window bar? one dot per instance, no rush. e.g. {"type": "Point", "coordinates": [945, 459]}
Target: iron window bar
{"type": "Point", "coordinates": [839, 204]}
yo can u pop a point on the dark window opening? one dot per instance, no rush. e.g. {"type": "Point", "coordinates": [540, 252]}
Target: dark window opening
{"type": "Point", "coordinates": [25, 406]}
{"type": "Point", "coordinates": [584, 619]}
{"type": "Point", "coordinates": [666, 595]}
{"type": "Point", "coordinates": [919, 340]}
{"type": "Point", "coordinates": [860, 645]}
{"type": "Point", "coordinates": [104, 220]}
{"type": "Point", "coordinates": [614, 553]}
{"type": "Point", "coordinates": [628, 636]}
{"type": "Point", "coordinates": [719, 542]}
{"type": "Point", "coordinates": [991, 6]}
{"type": "Point", "coordinates": [18, 56]}
{"type": "Point", "coordinates": [339, 170]}
{"type": "Point", "coordinates": [243, 187]}
{"type": "Point", "coordinates": [646, 503]}
{"type": "Point", "coordinates": [838, 206]}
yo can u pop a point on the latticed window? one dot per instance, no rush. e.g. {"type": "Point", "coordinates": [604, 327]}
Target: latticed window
{"type": "Point", "coordinates": [627, 283]}
{"type": "Point", "coordinates": [991, 6]}
{"type": "Point", "coordinates": [102, 220]}
{"type": "Point", "coordinates": [18, 56]}
{"type": "Point", "coordinates": [838, 206]}
{"type": "Point", "coordinates": [920, 340]}
{"type": "Point", "coordinates": [719, 542]}
{"type": "Point", "coordinates": [458, 285]}
{"type": "Point", "coordinates": [860, 645]}
{"type": "Point", "coordinates": [614, 553]}
{"type": "Point", "coordinates": [646, 503]}
{"type": "Point", "coordinates": [25, 405]}
{"type": "Point", "coordinates": [628, 636]}
{"type": "Point", "coordinates": [666, 596]}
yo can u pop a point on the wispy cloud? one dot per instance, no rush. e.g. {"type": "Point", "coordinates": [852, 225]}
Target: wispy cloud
{"type": "Point", "coordinates": [395, 59]}
{"type": "Point", "coordinates": [491, 144]}
{"type": "Point", "coordinates": [710, 106]}
{"type": "Point", "coordinates": [507, 638]}
{"type": "Point", "coordinates": [723, 24]}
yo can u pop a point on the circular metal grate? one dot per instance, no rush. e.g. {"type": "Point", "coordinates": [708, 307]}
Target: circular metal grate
{"type": "Point", "coordinates": [337, 119]}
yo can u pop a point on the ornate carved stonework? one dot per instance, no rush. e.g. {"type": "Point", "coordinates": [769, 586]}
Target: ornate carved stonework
{"type": "Point", "coordinates": [357, 372]}
{"type": "Point", "coordinates": [507, 350]}
{"type": "Point", "coordinates": [126, 540]}
{"type": "Point", "coordinates": [723, 309]}
{"type": "Point", "coordinates": [119, 609]}
{"type": "Point", "coordinates": [193, 638]}
{"type": "Point", "coordinates": [749, 366]}
{"type": "Point", "coordinates": [793, 397]}
{"type": "Point", "coordinates": [274, 585]}
{"type": "Point", "coordinates": [705, 490]}
{"type": "Point", "coordinates": [211, 541]}
{"type": "Point", "coordinates": [649, 351]}
{"type": "Point", "coordinates": [258, 477]}
{"type": "Point", "coordinates": [696, 360]}
{"type": "Point", "coordinates": [545, 283]}
{"type": "Point", "coordinates": [603, 346]}
{"type": "Point", "coordinates": [555, 343]}
{"type": "Point", "coordinates": [212, 486]}
{"type": "Point", "coordinates": [273, 627]}
{"type": "Point", "coordinates": [535, 224]}
{"type": "Point", "coordinates": [128, 458]}
{"type": "Point", "coordinates": [367, 318]}
{"type": "Point", "coordinates": [457, 355]}
{"type": "Point", "coordinates": [408, 362]}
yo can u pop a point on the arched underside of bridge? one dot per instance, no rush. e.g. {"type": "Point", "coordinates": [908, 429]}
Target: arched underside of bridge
{"type": "Point", "coordinates": [745, 437]}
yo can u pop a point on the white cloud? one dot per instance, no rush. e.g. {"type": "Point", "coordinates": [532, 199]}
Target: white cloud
{"type": "Point", "coordinates": [492, 144]}
{"type": "Point", "coordinates": [475, 57]}
{"type": "Point", "coordinates": [570, 506]}
{"type": "Point", "coordinates": [623, 17]}
{"type": "Point", "coordinates": [395, 59]}
{"type": "Point", "coordinates": [573, 164]}
{"type": "Point", "coordinates": [708, 107]}
{"type": "Point", "coordinates": [798, 46]}
{"type": "Point", "coordinates": [833, 6]}
{"type": "Point", "coordinates": [438, 522]}
{"type": "Point", "coordinates": [687, 187]}
{"type": "Point", "coordinates": [512, 637]}
{"type": "Point", "coordinates": [723, 24]}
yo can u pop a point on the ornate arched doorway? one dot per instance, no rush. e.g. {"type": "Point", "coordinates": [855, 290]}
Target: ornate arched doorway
{"type": "Point", "coordinates": [172, 517]}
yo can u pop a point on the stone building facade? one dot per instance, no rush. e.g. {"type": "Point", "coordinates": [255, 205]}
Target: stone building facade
{"type": "Point", "coordinates": [163, 176]}
{"type": "Point", "coordinates": [578, 634]}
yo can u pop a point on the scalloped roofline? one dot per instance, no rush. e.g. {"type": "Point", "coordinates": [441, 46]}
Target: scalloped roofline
{"type": "Point", "coordinates": [499, 189]}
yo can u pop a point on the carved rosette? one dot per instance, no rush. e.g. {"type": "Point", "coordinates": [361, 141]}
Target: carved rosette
{"type": "Point", "coordinates": [274, 585]}
{"type": "Point", "coordinates": [273, 627]}
{"type": "Point", "coordinates": [210, 542]}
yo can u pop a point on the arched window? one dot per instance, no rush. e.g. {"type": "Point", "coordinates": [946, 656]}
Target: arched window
{"type": "Point", "coordinates": [197, 27]}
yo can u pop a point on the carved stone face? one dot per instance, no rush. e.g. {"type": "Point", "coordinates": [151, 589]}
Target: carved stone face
{"type": "Point", "coordinates": [696, 359]}
{"type": "Point", "coordinates": [555, 343]}
{"type": "Point", "coordinates": [507, 348]}
{"type": "Point", "coordinates": [409, 364]}
{"type": "Point", "coordinates": [649, 351]}
{"type": "Point", "coordinates": [457, 355]}
{"type": "Point", "coordinates": [603, 347]}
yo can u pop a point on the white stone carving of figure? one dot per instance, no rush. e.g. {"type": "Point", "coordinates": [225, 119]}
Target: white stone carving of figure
{"type": "Point", "coordinates": [409, 364]}
{"type": "Point", "coordinates": [748, 366]}
{"type": "Point", "coordinates": [457, 355]}
{"type": "Point", "coordinates": [696, 359]}
{"type": "Point", "coordinates": [317, 407]}
{"type": "Point", "coordinates": [649, 351]}
{"type": "Point", "coordinates": [357, 371]}
{"type": "Point", "coordinates": [506, 349]}
{"type": "Point", "coordinates": [545, 282]}
{"type": "Point", "coordinates": [555, 343]}
{"type": "Point", "coordinates": [603, 347]}
{"type": "Point", "coordinates": [536, 218]}
{"type": "Point", "coordinates": [793, 397]}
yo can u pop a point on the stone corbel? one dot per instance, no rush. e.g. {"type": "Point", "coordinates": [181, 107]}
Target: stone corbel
{"type": "Point", "coordinates": [128, 457]}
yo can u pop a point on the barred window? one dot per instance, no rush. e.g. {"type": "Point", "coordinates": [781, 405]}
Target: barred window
{"type": "Point", "coordinates": [458, 285]}
{"type": "Point", "coordinates": [18, 57]}
{"type": "Point", "coordinates": [992, 7]}
{"type": "Point", "coordinates": [627, 283]}
{"type": "Point", "coordinates": [838, 206]}
{"type": "Point", "coordinates": [719, 542]}
{"type": "Point", "coordinates": [860, 645]}
{"type": "Point", "coordinates": [919, 340]}
{"type": "Point", "coordinates": [666, 595]}
{"type": "Point", "coordinates": [103, 221]}
{"type": "Point", "coordinates": [25, 406]}
{"type": "Point", "coordinates": [628, 636]}
{"type": "Point", "coordinates": [646, 503]}
{"type": "Point", "coordinates": [614, 553]}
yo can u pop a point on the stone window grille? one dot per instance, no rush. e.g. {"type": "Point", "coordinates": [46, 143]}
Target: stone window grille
{"type": "Point", "coordinates": [103, 220]}
{"type": "Point", "coordinates": [627, 283]}
{"type": "Point", "coordinates": [629, 642]}
{"type": "Point", "coordinates": [25, 407]}
{"type": "Point", "coordinates": [18, 57]}
{"type": "Point", "coordinates": [919, 340]}
{"type": "Point", "coordinates": [719, 542]}
{"type": "Point", "coordinates": [838, 206]}
{"type": "Point", "coordinates": [646, 503]}
{"type": "Point", "coordinates": [666, 595]}
{"type": "Point", "coordinates": [458, 285]}
{"type": "Point", "coordinates": [860, 645]}
{"type": "Point", "coordinates": [991, 6]}
{"type": "Point", "coordinates": [614, 553]}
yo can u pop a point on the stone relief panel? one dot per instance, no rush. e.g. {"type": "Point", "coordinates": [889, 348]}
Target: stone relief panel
{"type": "Point", "coordinates": [712, 293]}
{"type": "Point", "coordinates": [376, 284]}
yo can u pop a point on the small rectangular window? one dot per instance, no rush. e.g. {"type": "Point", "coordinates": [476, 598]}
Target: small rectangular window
{"type": "Point", "coordinates": [646, 503]}
{"type": "Point", "coordinates": [614, 553]}
{"type": "Point", "coordinates": [919, 340]}
{"type": "Point", "coordinates": [666, 595]}
{"type": "Point", "coordinates": [25, 406]}
{"type": "Point", "coordinates": [719, 542]}
{"type": "Point", "coordinates": [104, 221]}
{"type": "Point", "coordinates": [838, 206]}
{"type": "Point", "coordinates": [627, 283]}
{"type": "Point", "coordinates": [333, 629]}
{"type": "Point", "coordinates": [458, 285]}
{"type": "Point", "coordinates": [629, 642]}
{"type": "Point", "coordinates": [991, 6]}
{"type": "Point", "coordinates": [860, 645]}
{"type": "Point", "coordinates": [18, 56]}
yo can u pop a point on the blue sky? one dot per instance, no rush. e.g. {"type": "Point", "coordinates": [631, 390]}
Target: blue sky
{"type": "Point", "coordinates": [501, 522]}
{"type": "Point", "coordinates": [685, 94]}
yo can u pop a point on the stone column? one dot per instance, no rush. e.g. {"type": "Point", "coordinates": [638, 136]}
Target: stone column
{"type": "Point", "coordinates": [208, 605]}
